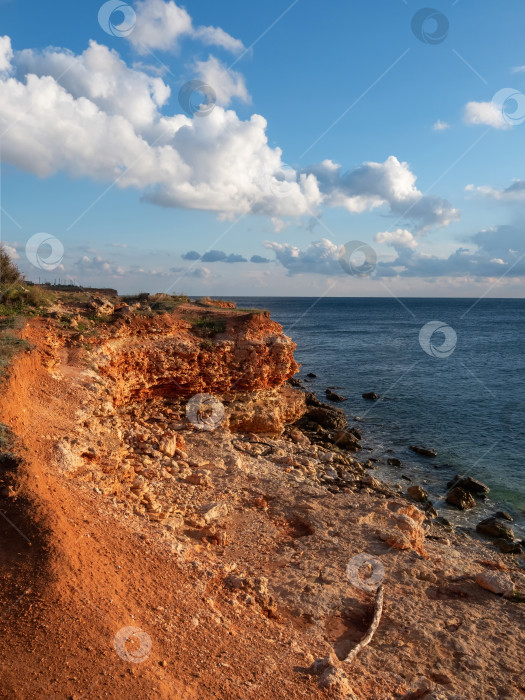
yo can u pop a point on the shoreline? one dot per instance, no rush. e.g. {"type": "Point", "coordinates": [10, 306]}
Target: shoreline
{"type": "Point", "coordinates": [233, 551]}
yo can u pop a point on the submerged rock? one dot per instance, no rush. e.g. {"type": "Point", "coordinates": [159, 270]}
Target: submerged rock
{"type": "Point", "coordinates": [502, 515]}
{"type": "Point", "coordinates": [394, 462]}
{"type": "Point", "coordinates": [460, 498]}
{"type": "Point", "coordinates": [371, 396]}
{"type": "Point", "coordinates": [333, 396]}
{"type": "Point", "coordinates": [424, 451]}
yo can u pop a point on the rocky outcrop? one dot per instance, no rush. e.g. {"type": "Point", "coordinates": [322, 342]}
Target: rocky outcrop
{"type": "Point", "coordinates": [166, 356]}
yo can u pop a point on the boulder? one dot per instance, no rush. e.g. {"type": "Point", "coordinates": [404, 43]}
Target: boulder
{"type": "Point", "coordinates": [417, 493]}
{"type": "Point", "coordinates": [394, 462]}
{"type": "Point", "coordinates": [469, 484]}
{"type": "Point", "coordinates": [496, 582]}
{"type": "Point", "coordinates": [508, 547]}
{"type": "Point", "coordinates": [311, 375]}
{"type": "Point", "coordinates": [333, 396]}
{"type": "Point", "coordinates": [347, 440]}
{"type": "Point", "coordinates": [327, 417]}
{"type": "Point", "coordinates": [371, 396]}
{"type": "Point", "coordinates": [502, 515]}
{"type": "Point", "coordinates": [424, 451]}
{"type": "Point", "coordinates": [495, 528]}
{"type": "Point", "coordinates": [460, 498]}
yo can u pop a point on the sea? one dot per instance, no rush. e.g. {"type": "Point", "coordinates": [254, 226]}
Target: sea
{"type": "Point", "coordinates": [451, 377]}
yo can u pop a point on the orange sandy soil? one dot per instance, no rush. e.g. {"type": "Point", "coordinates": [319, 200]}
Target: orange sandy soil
{"type": "Point", "coordinates": [74, 571]}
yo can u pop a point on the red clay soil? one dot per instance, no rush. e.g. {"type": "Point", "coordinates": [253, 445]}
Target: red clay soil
{"type": "Point", "coordinates": [71, 577]}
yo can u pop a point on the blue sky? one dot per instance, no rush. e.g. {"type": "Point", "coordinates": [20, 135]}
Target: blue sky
{"type": "Point", "coordinates": [384, 139]}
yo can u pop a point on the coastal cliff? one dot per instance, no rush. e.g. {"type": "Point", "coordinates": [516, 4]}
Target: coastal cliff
{"type": "Point", "coordinates": [161, 475]}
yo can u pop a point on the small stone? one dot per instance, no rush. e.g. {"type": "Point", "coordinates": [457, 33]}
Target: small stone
{"type": "Point", "coordinates": [496, 582]}
{"type": "Point", "coordinates": [460, 498]}
{"type": "Point", "coordinates": [214, 511]}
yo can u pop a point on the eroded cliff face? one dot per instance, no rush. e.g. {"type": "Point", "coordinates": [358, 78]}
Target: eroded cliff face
{"type": "Point", "coordinates": [163, 357]}
{"type": "Point", "coordinates": [242, 358]}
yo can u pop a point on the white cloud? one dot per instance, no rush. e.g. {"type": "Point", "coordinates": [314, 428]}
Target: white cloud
{"type": "Point", "coordinates": [13, 254]}
{"type": "Point", "coordinates": [373, 185]}
{"type": "Point", "coordinates": [101, 76]}
{"type": "Point", "coordinates": [513, 193]}
{"type": "Point", "coordinates": [92, 116]}
{"type": "Point", "coordinates": [485, 113]}
{"type": "Point", "coordinates": [440, 126]}
{"type": "Point", "coordinates": [321, 257]}
{"type": "Point", "coordinates": [225, 83]}
{"type": "Point", "coordinates": [6, 53]}
{"type": "Point", "coordinates": [161, 25]}
{"type": "Point", "coordinates": [518, 69]}
{"type": "Point", "coordinates": [400, 238]}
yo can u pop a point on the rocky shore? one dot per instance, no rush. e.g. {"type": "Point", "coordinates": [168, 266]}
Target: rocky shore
{"type": "Point", "coordinates": [187, 487]}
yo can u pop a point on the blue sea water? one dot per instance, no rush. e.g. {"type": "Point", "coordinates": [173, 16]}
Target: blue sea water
{"type": "Point", "coordinates": [468, 405]}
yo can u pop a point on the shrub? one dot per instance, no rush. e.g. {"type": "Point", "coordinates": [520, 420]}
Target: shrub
{"type": "Point", "coordinates": [9, 272]}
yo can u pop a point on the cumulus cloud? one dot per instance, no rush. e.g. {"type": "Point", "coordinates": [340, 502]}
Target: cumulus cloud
{"type": "Point", "coordinates": [513, 193]}
{"type": "Point", "coordinates": [440, 126]}
{"type": "Point", "coordinates": [161, 25]}
{"type": "Point", "coordinates": [320, 257]}
{"type": "Point", "coordinates": [485, 113]}
{"type": "Point", "coordinates": [6, 53]}
{"type": "Point", "coordinates": [91, 115]}
{"type": "Point", "coordinates": [390, 183]}
{"type": "Point", "coordinates": [259, 259]}
{"type": "Point", "coordinates": [226, 84]}
{"type": "Point", "coordinates": [401, 238]}
{"type": "Point", "coordinates": [491, 253]}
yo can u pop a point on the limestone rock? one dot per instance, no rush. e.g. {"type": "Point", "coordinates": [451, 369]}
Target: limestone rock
{"type": "Point", "coordinates": [417, 493]}
{"type": "Point", "coordinates": [468, 484]}
{"type": "Point", "coordinates": [496, 582]}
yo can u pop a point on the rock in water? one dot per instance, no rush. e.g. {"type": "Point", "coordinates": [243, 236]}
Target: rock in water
{"type": "Point", "coordinates": [417, 493]}
{"type": "Point", "coordinates": [496, 582]}
{"type": "Point", "coordinates": [503, 515]}
{"type": "Point", "coordinates": [333, 396]}
{"type": "Point", "coordinates": [494, 528]}
{"type": "Point", "coordinates": [394, 462]}
{"type": "Point", "coordinates": [469, 484]}
{"type": "Point", "coordinates": [371, 396]}
{"type": "Point", "coordinates": [460, 498]}
{"type": "Point", "coordinates": [424, 451]}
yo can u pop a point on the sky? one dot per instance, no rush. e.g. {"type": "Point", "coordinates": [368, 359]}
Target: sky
{"type": "Point", "coordinates": [284, 148]}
